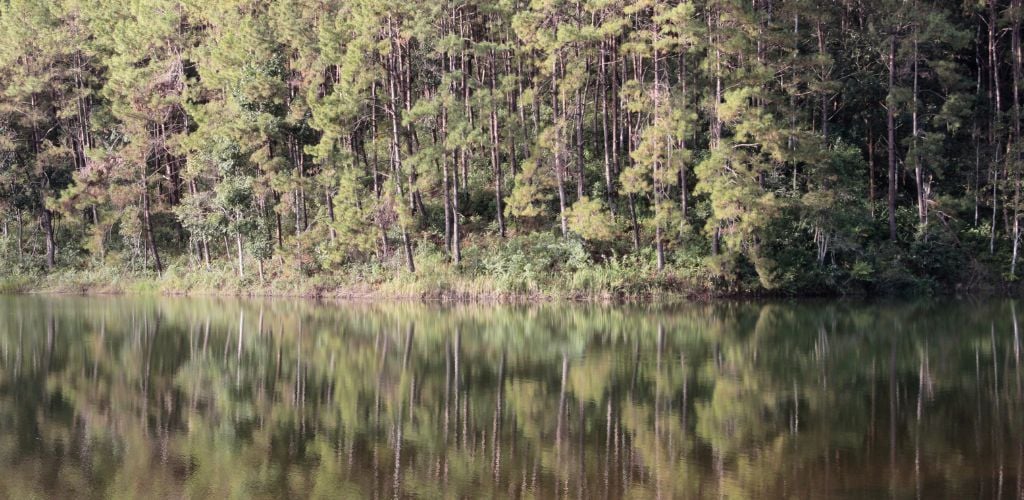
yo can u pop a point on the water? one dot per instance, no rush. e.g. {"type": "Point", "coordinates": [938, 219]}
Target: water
{"type": "Point", "coordinates": [209, 398]}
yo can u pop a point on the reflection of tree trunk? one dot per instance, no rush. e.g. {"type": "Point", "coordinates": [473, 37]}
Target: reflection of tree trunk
{"type": "Point", "coordinates": [447, 386]}
{"type": "Point", "coordinates": [795, 426]}
{"type": "Point", "coordinates": [921, 374]}
{"type": "Point", "coordinates": [241, 326]}
{"type": "Point", "coordinates": [300, 385]}
{"type": "Point", "coordinates": [580, 475]}
{"type": "Point", "coordinates": [206, 334]}
{"type": "Point", "coordinates": [684, 405]}
{"type": "Point", "coordinates": [51, 338]}
{"type": "Point", "coordinates": [409, 332]}
{"type": "Point", "coordinates": [380, 377]}
{"type": "Point", "coordinates": [397, 450]}
{"type": "Point", "coordinates": [456, 377]}
{"type": "Point", "coordinates": [607, 448]}
{"type": "Point", "coordinates": [1016, 348]}
{"type": "Point", "coordinates": [995, 366]}
{"type": "Point", "coordinates": [238, 355]}
{"type": "Point", "coordinates": [892, 418]}
{"type": "Point", "coordinates": [561, 401]}
{"type": "Point", "coordinates": [657, 382]}
{"type": "Point", "coordinates": [871, 424]}
{"type": "Point", "coordinates": [496, 424]}
{"type": "Point", "coordinates": [636, 365]}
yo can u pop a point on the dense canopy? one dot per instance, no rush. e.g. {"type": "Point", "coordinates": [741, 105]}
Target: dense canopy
{"type": "Point", "coordinates": [789, 145]}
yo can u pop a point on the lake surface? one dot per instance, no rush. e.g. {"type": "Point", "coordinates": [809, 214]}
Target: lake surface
{"type": "Point", "coordinates": [216, 398]}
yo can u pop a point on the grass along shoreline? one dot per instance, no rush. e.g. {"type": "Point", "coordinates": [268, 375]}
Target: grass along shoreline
{"type": "Point", "coordinates": [534, 268]}
{"type": "Point", "coordinates": [443, 284]}
{"type": "Point", "coordinates": [446, 285]}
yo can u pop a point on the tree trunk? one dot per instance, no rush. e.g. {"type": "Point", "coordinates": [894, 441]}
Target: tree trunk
{"type": "Point", "coordinates": [871, 169]}
{"type": "Point", "coordinates": [993, 59]}
{"type": "Point", "coordinates": [51, 243]}
{"type": "Point", "coordinates": [456, 234]}
{"type": "Point", "coordinates": [1016, 65]}
{"type": "Point", "coordinates": [396, 161]}
{"type": "Point", "coordinates": [329, 201]}
{"type": "Point", "coordinates": [659, 245]}
{"type": "Point", "coordinates": [241, 261]}
{"type": "Point", "coordinates": [206, 253]}
{"type": "Point", "coordinates": [148, 221]}
{"type": "Point", "coordinates": [609, 191]}
{"type": "Point", "coordinates": [559, 162]}
{"type": "Point", "coordinates": [445, 182]}
{"type": "Point", "coordinates": [495, 161]}
{"type": "Point", "coordinates": [922, 203]}
{"type": "Point", "coordinates": [891, 135]}
{"type": "Point", "coordinates": [21, 238]}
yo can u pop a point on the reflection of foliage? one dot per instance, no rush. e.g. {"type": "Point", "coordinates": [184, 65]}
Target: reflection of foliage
{"type": "Point", "coordinates": [102, 397]}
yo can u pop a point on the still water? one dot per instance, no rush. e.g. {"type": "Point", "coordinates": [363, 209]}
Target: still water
{"type": "Point", "coordinates": [212, 398]}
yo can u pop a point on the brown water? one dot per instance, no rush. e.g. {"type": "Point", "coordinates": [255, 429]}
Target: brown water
{"type": "Point", "coordinates": [170, 398]}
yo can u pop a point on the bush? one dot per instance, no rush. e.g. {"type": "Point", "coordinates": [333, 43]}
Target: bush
{"type": "Point", "coordinates": [530, 262]}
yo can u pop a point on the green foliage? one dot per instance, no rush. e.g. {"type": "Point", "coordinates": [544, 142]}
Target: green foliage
{"type": "Point", "coordinates": [591, 220]}
{"type": "Point", "coordinates": [531, 262]}
{"type": "Point", "coordinates": [736, 146]}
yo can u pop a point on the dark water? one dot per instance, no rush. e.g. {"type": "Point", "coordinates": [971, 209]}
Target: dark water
{"type": "Point", "coordinates": [171, 398]}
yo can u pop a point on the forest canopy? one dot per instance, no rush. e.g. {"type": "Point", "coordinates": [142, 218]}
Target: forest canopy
{"type": "Point", "coordinates": [616, 145]}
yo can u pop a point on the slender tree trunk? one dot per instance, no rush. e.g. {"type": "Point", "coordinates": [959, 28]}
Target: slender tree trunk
{"type": "Point", "coordinates": [51, 242]}
{"type": "Point", "coordinates": [456, 233]}
{"type": "Point", "coordinates": [580, 168]}
{"type": "Point", "coordinates": [148, 221]}
{"type": "Point", "coordinates": [684, 191]}
{"type": "Point", "coordinates": [241, 261]}
{"type": "Point", "coordinates": [1016, 65]}
{"type": "Point", "coordinates": [557, 112]}
{"type": "Point", "coordinates": [825, 100]}
{"type": "Point", "coordinates": [206, 253]}
{"type": "Point", "coordinates": [464, 62]}
{"type": "Point", "coordinates": [495, 140]}
{"type": "Point", "coordinates": [871, 169]}
{"type": "Point", "coordinates": [603, 85]}
{"type": "Point", "coordinates": [891, 135]}
{"type": "Point", "coordinates": [21, 238]}
{"type": "Point", "coordinates": [616, 125]}
{"type": "Point", "coordinates": [993, 21]}
{"type": "Point", "coordinates": [659, 245]}
{"type": "Point", "coordinates": [995, 210]}
{"type": "Point", "coordinates": [396, 162]}
{"type": "Point", "coordinates": [329, 201]}
{"type": "Point", "coordinates": [445, 182]}
{"type": "Point", "coordinates": [922, 203]}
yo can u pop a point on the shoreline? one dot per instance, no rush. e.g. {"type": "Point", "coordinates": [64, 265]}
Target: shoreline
{"type": "Point", "coordinates": [464, 290]}
{"type": "Point", "coordinates": [458, 291]}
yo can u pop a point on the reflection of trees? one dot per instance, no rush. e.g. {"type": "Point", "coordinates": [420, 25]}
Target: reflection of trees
{"type": "Point", "coordinates": [109, 397]}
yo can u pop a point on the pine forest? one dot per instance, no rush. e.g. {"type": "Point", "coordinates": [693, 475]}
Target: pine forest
{"type": "Point", "coordinates": [471, 147]}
